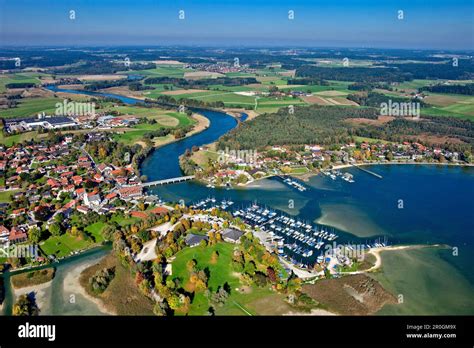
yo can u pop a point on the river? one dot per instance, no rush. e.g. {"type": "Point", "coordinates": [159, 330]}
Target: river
{"type": "Point", "coordinates": [58, 298]}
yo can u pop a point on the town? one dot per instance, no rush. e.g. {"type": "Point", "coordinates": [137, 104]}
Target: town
{"type": "Point", "coordinates": [225, 168]}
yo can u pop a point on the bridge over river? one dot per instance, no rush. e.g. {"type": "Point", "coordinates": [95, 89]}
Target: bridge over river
{"type": "Point", "coordinates": [168, 181]}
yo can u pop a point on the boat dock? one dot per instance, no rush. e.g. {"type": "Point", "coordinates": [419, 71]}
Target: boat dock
{"type": "Point", "coordinates": [368, 171]}
{"type": "Point", "coordinates": [296, 240]}
{"type": "Point", "coordinates": [292, 182]}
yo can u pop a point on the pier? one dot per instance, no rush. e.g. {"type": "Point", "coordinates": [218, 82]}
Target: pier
{"type": "Point", "coordinates": [168, 181]}
{"type": "Point", "coordinates": [368, 171]}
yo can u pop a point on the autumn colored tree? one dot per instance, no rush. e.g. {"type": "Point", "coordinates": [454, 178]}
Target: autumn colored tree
{"type": "Point", "coordinates": [214, 257]}
{"type": "Point", "coordinates": [271, 275]}
{"type": "Point", "coordinates": [25, 306]}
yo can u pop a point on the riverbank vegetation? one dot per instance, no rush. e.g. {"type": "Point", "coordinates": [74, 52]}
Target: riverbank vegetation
{"type": "Point", "coordinates": [32, 278]}
{"type": "Point", "coordinates": [25, 305]}
{"type": "Point", "coordinates": [121, 295]}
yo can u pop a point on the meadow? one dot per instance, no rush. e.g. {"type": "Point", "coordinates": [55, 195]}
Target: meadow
{"type": "Point", "coordinates": [31, 107]}
{"type": "Point", "coordinates": [220, 272]}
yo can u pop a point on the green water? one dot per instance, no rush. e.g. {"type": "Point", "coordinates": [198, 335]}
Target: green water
{"type": "Point", "coordinates": [428, 283]}
{"type": "Point", "coordinates": [57, 300]}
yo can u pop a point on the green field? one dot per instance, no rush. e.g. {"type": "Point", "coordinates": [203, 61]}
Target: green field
{"type": "Point", "coordinates": [447, 111]}
{"type": "Point", "coordinates": [220, 273]}
{"type": "Point", "coordinates": [18, 138]}
{"type": "Point", "coordinates": [5, 196]}
{"type": "Point", "coordinates": [63, 245]}
{"type": "Point", "coordinates": [415, 84]}
{"type": "Point", "coordinates": [96, 231]}
{"type": "Point", "coordinates": [371, 140]}
{"type": "Point", "coordinates": [18, 78]}
{"type": "Point", "coordinates": [137, 132]}
{"type": "Point", "coordinates": [123, 221]}
{"type": "Point", "coordinates": [299, 170]}
{"type": "Point", "coordinates": [239, 74]}
{"type": "Point", "coordinates": [456, 105]}
{"type": "Point", "coordinates": [160, 71]}
{"type": "Point", "coordinates": [31, 107]}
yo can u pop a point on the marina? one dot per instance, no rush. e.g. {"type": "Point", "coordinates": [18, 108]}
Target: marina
{"type": "Point", "coordinates": [334, 174]}
{"type": "Point", "coordinates": [298, 241]}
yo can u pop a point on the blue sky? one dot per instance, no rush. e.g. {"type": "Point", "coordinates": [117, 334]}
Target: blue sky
{"type": "Point", "coordinates": [446, 24]}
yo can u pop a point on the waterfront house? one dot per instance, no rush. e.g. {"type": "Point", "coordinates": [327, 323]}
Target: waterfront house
{"type": "Point", "coordinates": [232, 235]}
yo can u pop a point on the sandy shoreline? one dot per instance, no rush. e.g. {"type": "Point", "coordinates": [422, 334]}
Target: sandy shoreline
{"type": "Point", "coordinates": [314, 312]}
{"type": "Point", "coordinates": [202, 124]}
{"type": "Point", "coordinates": [378, 258]}
{"type": "Point", "coordinates": [73, 286]}
{"type": "Point", "coordinates": [251, 114]}
{"type": "Point", "coordinates": [40, 291]}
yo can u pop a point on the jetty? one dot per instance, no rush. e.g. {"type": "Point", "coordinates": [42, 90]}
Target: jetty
{"type": "Point", "coordinates": [367, 171]}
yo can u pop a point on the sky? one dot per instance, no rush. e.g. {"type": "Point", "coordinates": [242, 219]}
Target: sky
{"type": "Point", "coordinates": [426, 24]}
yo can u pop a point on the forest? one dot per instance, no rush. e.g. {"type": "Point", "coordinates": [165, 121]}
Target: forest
{"type": "Point", "coordinates": [307, 125]}
{"type": "Point", "coordinates": [329, 126]}
{"type": "Point", "coordinates": [375, 99]}
{"type": "Point", "coordinates": [467, 89]}
{"type": "Point", "coordinates": [463, 69]}
{"type": "Point", "coordinates": [353, 74]}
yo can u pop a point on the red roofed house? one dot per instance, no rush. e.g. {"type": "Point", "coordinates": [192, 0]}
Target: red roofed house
{"type": "Point", "coordinates": [103, 167]}
{"type": "Point", "coordinates": [159, 210]}
{"type": "Point", "coordinates": [130, 192]}
{"type": "Point", "coordinates": [52, 182]}
{"type": "Point", "coordinates": [98, 177]}
{"type": "Point", "coordinates": [77, 179]}
{"type": "Point", "coordinates": [139, 214]}
{"type": "Point", "coordinates": [109, 197]}
{"type": "Point", "coordinates": [80, 192]}
{"type": "Point", "coordinates": [18, 212]}
{"type": "Point", "coordinates": [82, 209]}
{"type": "Point", "coordinates": [17, 235]}
{"type": "Point", "coordinates": [4, 233]}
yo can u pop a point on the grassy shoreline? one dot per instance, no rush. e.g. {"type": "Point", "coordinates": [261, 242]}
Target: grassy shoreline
{"type": "Point", "coordinates": [32, 278]}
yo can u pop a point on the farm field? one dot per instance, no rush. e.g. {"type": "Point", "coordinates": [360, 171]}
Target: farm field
{"type": "Point", "coordinates": [19, 138]}
{"type": "Point", "coordinates": [418, 83]}
{"type": "Point", "coordinates": [18, 78]}
{"type": "Point", "coordinates": [31, 106]}
{"type": "Point", "coordinates": [456, 105]}
{"type": "Point", "coordinates": [161, 71]}
{"type": "Point", "coordinates": [447, 111]}
{"type": "Point", "coordinates": [168, 119]}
